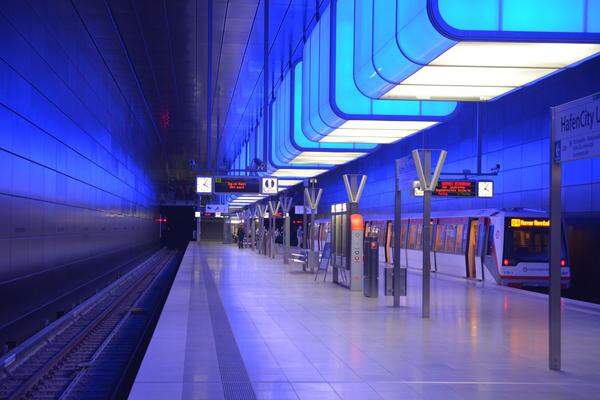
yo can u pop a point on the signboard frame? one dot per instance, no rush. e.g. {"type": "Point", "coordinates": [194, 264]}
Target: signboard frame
{"type": "Point", "coordinates": [227, 180]}
{"type": "Point", "coordinates": [574, 139]}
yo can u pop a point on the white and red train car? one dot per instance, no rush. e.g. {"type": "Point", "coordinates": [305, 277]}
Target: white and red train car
{"type": "Point", "coordinates": [508, 247]}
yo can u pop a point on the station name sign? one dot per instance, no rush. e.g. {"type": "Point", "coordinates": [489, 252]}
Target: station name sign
{"type": "Point", "coordinates": [529, 223]}
{"type": "Point", "coordinates": [576, 128]}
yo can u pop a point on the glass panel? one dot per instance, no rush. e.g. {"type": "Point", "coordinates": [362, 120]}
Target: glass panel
{"type": "Point", "coordinates": [440, 237]}
{"type": "Point", "coordinates": [450, 239]}
{"type": "Point", "coordinates": [412, 235]}
{"type": "Point", "coordinates": [458, 248]}
{"type": "Point", "coordinates": [419, 244]}
{"type": "Point", "coordinates": [527, 245]}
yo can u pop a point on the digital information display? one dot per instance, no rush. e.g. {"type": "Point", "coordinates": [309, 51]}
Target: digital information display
{"type": "Point", "coordinates": [450, 188]}
{"type": "Point", "coordinates": [464, 188]}
{"type": "Point", "coordinates": [529, 223]}
{"type": "Point", "coordinates": [237, 185]}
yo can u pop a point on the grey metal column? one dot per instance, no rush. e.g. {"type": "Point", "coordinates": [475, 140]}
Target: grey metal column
{"type": "Point", "coordinates": [304, 220]}
{"type": "Point", "coordinates": [428, 184]}
{"type": "Point", "coordinates": [266, 76]}
{"type": "Point", "coordinates": [273, 210]}
{"type": "Point", "coordinates": [554, 317]}
{"type": "Point", "coordinates": [425, 237]}
{"type": "Point", "coordinates": [397, 234]}
{"type": "Point", "coordinates": [261, 228]}
{"type": "Point", "coordinates": [209, 99]}
{"type": "Point", "coordinates": [199, 219]}
{"type": "Point", "coordinates": [286, 206]}
{"type": "Point", "coordinates": [252, 233]}
{"type": "Point", "coordinates": [313, 197]}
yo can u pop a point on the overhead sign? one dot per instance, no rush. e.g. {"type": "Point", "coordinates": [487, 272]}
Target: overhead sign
{"type": "Point", "coordinates": [450, 188]}
{"type": "Point", "coordinates": [458, 188]}
{"type": "Point", "coordinates": [269, 185]}
{"type": "Point", "coordinates": [576, 128]}
{"type": "Point", "coordinates": [204, 184]}
{"type": "Point", "coordinates": [216, 208]}
{"type": "Point", "coordinates": [237, 184]}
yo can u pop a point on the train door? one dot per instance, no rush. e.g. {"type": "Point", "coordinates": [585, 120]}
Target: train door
{"type": "Point", "coordinates": [472, 249]}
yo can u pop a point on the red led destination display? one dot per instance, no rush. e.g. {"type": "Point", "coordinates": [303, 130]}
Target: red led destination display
{"type": "Point", "coordinates": [237, 185]}
{"type": "Point", "coordinates": [453, 188]}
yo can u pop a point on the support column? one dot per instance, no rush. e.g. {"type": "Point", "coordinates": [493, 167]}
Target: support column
{"type": "Point", "coordinates": [554, 317]}
{"type": "Point", "coordinates": [426, 238]}
{"type": "Point", "coordinates": [286, 205]}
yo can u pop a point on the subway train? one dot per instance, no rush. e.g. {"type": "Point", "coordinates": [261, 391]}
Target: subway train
{"type": "Point", "coordinates": [507, 247]}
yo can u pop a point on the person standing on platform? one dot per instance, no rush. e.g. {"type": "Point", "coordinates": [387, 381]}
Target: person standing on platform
{"type": "Point", "coordinates": [240, 236]}
{"type": "Point", "coordinates": [299, 234]}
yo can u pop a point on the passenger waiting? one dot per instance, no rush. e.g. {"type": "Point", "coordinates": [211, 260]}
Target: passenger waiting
{"type": "Point", "coordinates": [240, 237]}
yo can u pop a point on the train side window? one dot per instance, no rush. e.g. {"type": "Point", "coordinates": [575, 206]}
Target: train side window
{"type": "Point", "coordinates": [412, 236]}
{"type": "Point", "coordinates": [490, 242]}
{"type": "Point", "coordinates": [450, 238]}
{"type": "Point", "coordinates": [419, 242]}
{"type": "Point", "coordinates": [440, 237]}
{"type": "Point", "coordinates": [403, 228]}
{"type": "Point", "coordinates": [458, 247]}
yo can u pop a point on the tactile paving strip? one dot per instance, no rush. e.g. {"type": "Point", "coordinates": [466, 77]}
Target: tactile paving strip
{"type": "Point", "coordinates": [234, 377]}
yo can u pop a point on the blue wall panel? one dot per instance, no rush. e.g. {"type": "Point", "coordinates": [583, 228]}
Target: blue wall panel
{"type": "Point", "coordinates": [75, 146]}
{"type": "Point", "coordinates": [515, 131]}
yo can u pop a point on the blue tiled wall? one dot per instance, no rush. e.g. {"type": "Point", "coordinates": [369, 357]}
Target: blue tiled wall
{"type": "Point", "coordinates": [515, 134]}
{"type": "Point", "coordinates": [74, 145]}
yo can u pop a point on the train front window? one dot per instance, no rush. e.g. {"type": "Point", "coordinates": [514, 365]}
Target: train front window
{"type": "Point", "coordinates": [526, 244]}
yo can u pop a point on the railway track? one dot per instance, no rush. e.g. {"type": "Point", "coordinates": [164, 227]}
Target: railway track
{"type": "Point", "coordinates": [55, 366]}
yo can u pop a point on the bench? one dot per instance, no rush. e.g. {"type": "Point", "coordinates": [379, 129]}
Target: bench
{"type": "Point", "coordinates": [300, 256]}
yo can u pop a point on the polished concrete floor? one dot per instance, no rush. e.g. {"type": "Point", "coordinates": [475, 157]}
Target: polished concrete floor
{"type": "Point", "coordinates": [301, 339]}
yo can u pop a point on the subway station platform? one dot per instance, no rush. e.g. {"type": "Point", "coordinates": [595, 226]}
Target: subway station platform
{"type": "Point", "coordinates": [239, 325]}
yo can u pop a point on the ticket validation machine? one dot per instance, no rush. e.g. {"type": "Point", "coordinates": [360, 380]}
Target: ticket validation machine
{"type": "Point", "coordinates": [357, 232]}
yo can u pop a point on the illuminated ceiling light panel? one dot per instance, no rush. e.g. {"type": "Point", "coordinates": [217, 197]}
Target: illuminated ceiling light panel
{"type": "Point", "coordinates": [361, 139]}
{"type": "Point", "coordinates": [468, 50]}
{"type": "Point", "coordinates": [475, 76]}
{"type": "Point", "coordinates": [298, 173]}
{"type": "Point", "coordinates": [288, 182]}
{"type": "Point", "coordinates": [437, 92]}
{"type": "Point", "coordinates": [387, 125]}
{"type": "Point", "coordinates": [517, 55]}
{"type": "Point", "coordinates": [250, 197]}
{"type": "Point", "coordinates": [367, 136]}
{"type": "Point", "coordinates": [315, 157]}
{"type": "Point", "coordinates": [331, 99]}
{"type": "Point", "coordinates": [370, 133]}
